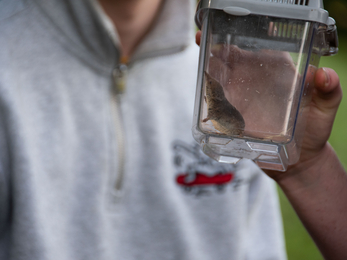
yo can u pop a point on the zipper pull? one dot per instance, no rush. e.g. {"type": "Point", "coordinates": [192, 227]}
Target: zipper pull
{"type": "Point", "coordinates": [120, 75]}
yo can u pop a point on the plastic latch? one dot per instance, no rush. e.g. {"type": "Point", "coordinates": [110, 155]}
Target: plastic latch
{"type": "Point", "coordinates": [237, 11]}
{"type": "Point", "coordinates": [331, 38]}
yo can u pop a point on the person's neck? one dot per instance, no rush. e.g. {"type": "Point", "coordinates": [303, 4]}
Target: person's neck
{"type": "Point", "coordinates": [132, 18]}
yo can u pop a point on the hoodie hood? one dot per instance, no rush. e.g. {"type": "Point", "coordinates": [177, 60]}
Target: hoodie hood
{"type": "Point", "coordinates": [177, 15]}
{"type": "Point", "coordinates": [76, 24]}
{"type": "Point", "coordinates": [82, 29]}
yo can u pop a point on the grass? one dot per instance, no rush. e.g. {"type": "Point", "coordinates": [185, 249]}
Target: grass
{"type": "Point", "coordinates": [298, 242]}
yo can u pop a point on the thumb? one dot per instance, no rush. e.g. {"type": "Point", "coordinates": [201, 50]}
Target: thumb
{"type": "Point", "coordinates": [326, 98]}
{"type": "Point", "coordinates": [327, 93]}
{"type": "Point", "coordinates": [198, 37]}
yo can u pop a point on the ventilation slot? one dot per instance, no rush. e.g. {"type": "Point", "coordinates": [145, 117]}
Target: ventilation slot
{"type": "Point", "coordinates": [290, 2]}
{"type": "Point", "coordinates": [285, 30]}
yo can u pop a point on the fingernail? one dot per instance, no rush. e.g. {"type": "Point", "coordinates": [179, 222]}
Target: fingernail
{"type": "Point", "coordinates": [327, 78]}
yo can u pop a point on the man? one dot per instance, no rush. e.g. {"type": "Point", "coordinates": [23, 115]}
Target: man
{"type": "Point", "coordinates": [90, 171]}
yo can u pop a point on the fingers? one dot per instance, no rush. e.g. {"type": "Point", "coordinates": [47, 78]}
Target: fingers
{"type": "Point", "coordinates": [231, 53]}
{"type": "Point", "coordinates": [198, 37]}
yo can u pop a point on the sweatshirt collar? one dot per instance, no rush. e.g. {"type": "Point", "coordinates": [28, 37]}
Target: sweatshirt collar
{"type": "Point", "coordinates": [171, 32]}
{"type": "Point", "coordinates": [74, 24]}
{"type": "Point", "coordinates": [81, 28]}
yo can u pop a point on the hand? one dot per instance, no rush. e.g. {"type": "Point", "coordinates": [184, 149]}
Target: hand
{"type": "Point", "coordinates": [326, 98]}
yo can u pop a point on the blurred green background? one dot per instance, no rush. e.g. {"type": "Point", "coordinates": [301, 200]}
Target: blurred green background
{"type": "Point", "coordinates": [298, 242]}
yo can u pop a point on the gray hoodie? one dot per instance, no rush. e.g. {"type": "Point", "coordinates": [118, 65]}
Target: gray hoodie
{"type": "Point", "coordinates": [86, 173]}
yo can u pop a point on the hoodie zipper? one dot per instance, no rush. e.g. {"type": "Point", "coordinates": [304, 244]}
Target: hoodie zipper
{"type": "Point", "coordinates": [119, 84]}
{"type": "Point", "coordinates": [120, 74]}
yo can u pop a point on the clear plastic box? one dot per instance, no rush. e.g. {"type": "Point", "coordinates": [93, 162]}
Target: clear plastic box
{"type": "Point", "coordinates": [254, 83]}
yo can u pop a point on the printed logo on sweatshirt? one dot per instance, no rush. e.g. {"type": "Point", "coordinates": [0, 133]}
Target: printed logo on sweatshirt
{"type": "Point", "coordinates": [198, 174]}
